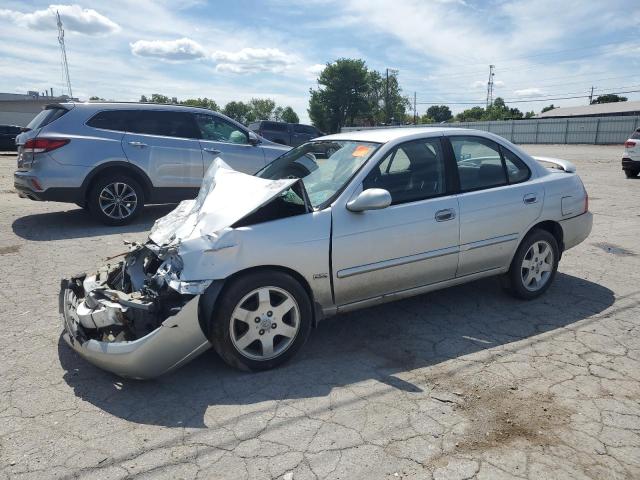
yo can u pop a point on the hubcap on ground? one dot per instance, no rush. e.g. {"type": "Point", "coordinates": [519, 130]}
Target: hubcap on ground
{"type": "Point", "coordinates": [537, 266]}
{"type": "Point", "coordinates": [118, 200]}
{"type": "Point", "coordinates": [264, 323]}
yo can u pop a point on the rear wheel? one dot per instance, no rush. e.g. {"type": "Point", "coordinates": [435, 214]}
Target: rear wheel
{"type": "Point", "coordinates": [631, 173]}
{"type": "Point", "coordinates": [262, 320]}
{"type": "Point", "coordinates": [534, 265]}
{"type": "Point", "coordinates": [115, 199]}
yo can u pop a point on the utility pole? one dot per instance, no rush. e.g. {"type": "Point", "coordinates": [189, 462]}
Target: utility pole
{"type": "Point", "coordinates": [490, 86]}
{"type": "Point", "coordinates": [415, 112]}
{"type": "Point", "coordinates": [65, 64]}
{"type": "Point", "coordinates": [591, 96]}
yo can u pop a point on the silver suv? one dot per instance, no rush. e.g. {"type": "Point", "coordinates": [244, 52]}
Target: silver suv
{"type": "Point", "coordinates": [112, 158]}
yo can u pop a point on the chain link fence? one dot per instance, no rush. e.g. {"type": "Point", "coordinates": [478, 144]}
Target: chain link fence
{"type": "Point", "coordinates": [590, 130]}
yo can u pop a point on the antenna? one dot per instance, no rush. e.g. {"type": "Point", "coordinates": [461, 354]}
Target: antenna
{"type": "Point", "coordinates": [65, 64]}
{"type": "Point", "coordinates": [490, 86]}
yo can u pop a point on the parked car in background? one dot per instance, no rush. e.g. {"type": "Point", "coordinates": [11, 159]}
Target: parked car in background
{"type": "Point", "coordinates": [340, 223]}
{"type": "Point", "coordinates": [631, 155]}
{"type": "Point", "coordinates": [293, 134]}
{"type": "Point", "coordinates": [112, 158]}
{"type": "Point", "coordinates": [8, 134]}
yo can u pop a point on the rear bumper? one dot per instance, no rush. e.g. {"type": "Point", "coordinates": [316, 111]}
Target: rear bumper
{"type": "Point", "coordinates": [633, 165]}
{"type": "Point", "coordinates": [575, 230]}
{"type": "Point", "coordinates": [22, 182]}
{"type": "Point", "coordinates": [175, 342]}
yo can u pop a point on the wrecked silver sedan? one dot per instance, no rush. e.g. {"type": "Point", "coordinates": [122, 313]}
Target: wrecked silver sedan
{"type": "Point", "coordinates": [340, 223]}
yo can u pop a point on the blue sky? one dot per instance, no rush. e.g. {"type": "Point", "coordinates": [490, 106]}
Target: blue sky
{"type": "Point", "coordinates": [235, 50]}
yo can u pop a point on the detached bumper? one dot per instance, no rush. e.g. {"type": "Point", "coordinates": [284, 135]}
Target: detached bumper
{"type": "Point", "coordinates": [175, 342]}
{"type": "Point", "coordinates": [575, 230]}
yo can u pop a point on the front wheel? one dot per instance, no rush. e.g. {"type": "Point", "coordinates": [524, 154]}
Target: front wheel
{"type": "Point", "coordinates": [261, 321]}
{"type": "Point", "coordinates": [534, 265]}
{"type": "Point", "coordinates": [631, 173]}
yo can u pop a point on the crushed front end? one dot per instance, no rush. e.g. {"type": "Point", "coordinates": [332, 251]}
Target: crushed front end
{"type": "Point", "coordinates": [134, 318]}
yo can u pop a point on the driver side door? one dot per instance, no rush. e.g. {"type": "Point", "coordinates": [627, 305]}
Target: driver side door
{"type": "Point", "coordinates": [221, 138]}
{"type": "Point", "coordinates": [411, 243]}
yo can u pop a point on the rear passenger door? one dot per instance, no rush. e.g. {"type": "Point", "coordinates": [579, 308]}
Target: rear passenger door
{"type": "Point", "coordinates": [165, 145]}
{"type": "Point", "coordinates": [221, 138]}
{"type": "Point", "coordinates": [497, 203]}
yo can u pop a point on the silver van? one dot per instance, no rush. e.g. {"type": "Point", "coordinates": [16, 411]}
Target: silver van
{"type": "Point", "coordinates": [112, 158]}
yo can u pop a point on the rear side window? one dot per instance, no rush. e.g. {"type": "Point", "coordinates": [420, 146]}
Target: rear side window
{"type": "Point", "coordinates": [636, 135]}
{"type": "Point", "coordinates": [274, 126]}
{"type": "Point", "coordinates": [45, 117]}
{"type": "Point", "coordinates": [167, 124]}
{"type": "Point", "coordinates": [479, 163]}
{"type": "Point", "coordinates": [111, 120]}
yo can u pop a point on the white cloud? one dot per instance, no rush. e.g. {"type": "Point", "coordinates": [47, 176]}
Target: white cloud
{"type": "Point", "coordinates": [74, 18]}
{"type": "Point", "coordinates": [174, 50]}
{"type": "Point", "coordinates": [482, 84]}
{"type": "Point", "coordinates": [253, 60]}
{"type": "Point", "coordinates": [528, 92]}
{"type": "Point", "coordinates": [315, 69]}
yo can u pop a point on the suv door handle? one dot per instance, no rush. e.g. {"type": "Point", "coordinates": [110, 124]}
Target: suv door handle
{"type": "Point", "coordinates": [138, 144]}
{"type": "Point", "coordinates": [530, 198]}
{"type": "Point", "coordinates": [445, 215]}
{"type": "Point", "coordinates": [211, 150]}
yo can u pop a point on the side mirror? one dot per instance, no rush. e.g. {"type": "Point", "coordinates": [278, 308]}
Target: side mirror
{"type": "Point", "coordinates": [253, 138]}
{"type": "Point", "coordinates": [370, 199]}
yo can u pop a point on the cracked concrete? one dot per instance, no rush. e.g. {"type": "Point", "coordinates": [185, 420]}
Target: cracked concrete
{"type": "Point", "coordinates": [458, 384]}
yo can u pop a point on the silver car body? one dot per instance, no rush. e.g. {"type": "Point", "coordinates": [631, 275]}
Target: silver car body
{"type": "Point", "coordinates": [169, 168]}
{"type": "Point", "coordinates": [346, 260]}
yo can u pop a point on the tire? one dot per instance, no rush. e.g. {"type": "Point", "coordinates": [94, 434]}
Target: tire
{"type": "Point", "coordinates": [631, 173]}
{"type": "Point", "coordinates": [118, 186]}
{"type": "Point", "coordinates": [534, 265]}
{"type": "Point", "coordinates": [241, 312]}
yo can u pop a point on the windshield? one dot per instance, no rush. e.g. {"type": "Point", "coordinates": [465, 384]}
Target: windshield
{"type": "Point", "coordinates": [324, 166]}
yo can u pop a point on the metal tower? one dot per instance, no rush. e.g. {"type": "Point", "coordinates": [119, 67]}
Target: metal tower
{"type": "Point", "coordinates": [490, 86]}
{"type": "Point", "coordinates": [65, 64]}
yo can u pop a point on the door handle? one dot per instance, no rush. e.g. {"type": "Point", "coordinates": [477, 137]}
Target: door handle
{"type": "Point", "coordinates": [530, 198]}
{"type": "Point", "coordinates": [211, 150]}
{"type": "Point", "coordinates": [444, 215]}
{"type": "Point", "coordinates": [138, 144]}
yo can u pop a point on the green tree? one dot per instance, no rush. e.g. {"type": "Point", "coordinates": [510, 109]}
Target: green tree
{"type": "Point", "coordinates": [239, 111]}
{"type": "Point", "coordinates": [143, 99]}
{"type": "Point", "coordinates": [262, 108]}
{"type": "Point", "coordinates": [547, 109]}
{"type": "Point", "coordinates": [202, 103]}
{"type": "Point", "coordinates": [96, 99]}
{"type": "Point", "coordinates": [342, 95]}
{"type": "Point", "coordinates": [426, 119]}
{"type": "Point", "coordinates": [439, 113]}
{"type": "Point", "coordinates": [289, 115]}
{"type": "Point", "coordinates": [609, 98]}
{"type": "Point", "coordinates": [159, 98]}
{"type": "Point", "coordinates": [530, 114]}
{"type": "Point", "coordinates": [471, 115]}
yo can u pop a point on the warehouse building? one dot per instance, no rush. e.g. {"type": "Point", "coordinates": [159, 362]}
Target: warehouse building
{"type": "Point", "coordinates": [615, 109]}
{"type": "Point", "coordinates": [19, 109]}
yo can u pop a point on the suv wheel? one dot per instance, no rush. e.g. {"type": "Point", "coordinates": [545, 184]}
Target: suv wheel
{"type": "Point", "coordinates": [534, 265]}
{"type": "Point", "coordinates": [261, 321]}
{"type": "Point", "coordinates": [115, 199]}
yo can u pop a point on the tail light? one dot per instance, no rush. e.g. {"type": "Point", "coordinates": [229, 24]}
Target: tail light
{"type": "Point", "coordinates": [629, 144]}
{"type": "Point", "coordinates": [39, 145]}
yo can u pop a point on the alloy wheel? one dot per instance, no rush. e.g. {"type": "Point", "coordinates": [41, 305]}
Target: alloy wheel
{"type": "Point", "coordinates": [537, 266]}
{"type": "Point", "coordinates": [118, 200]}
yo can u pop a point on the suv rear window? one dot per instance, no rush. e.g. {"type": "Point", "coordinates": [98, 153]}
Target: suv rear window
{"type": "Point", "coordinates": [276, 126]}
{"type": "Point", "coordinates": [46, 116]}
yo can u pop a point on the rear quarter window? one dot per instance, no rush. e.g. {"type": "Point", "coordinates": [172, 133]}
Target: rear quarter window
{"type": "Point", "coordinates": [110, 120]}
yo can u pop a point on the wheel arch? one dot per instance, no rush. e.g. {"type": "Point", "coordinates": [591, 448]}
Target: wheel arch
{"type": "Point", "coordinates": [117, 167]}
{"type": "Point", "coordinates": [551, 226]}
{"type": "Point", "coordinates": [217, 289]}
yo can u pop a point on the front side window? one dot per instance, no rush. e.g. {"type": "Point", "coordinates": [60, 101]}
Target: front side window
{"type": "Point", "coordinates": [167, 124]}
{"type": "Point", "coordinates": [479, 163]}
{"type": "Point", "coordinates": [218, 130]}
{"type": "Point", "coordinates": [413, 171]}
{"type": "Point", "coordinates": [325, 167]}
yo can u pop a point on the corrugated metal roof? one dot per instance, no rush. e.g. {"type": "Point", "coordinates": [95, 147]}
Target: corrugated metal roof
{"type": "Point", "coordinates": [595, 109]}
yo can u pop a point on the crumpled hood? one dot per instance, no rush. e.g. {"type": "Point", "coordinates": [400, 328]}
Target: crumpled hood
{"type": "Point", "coordinates": [226, 196]}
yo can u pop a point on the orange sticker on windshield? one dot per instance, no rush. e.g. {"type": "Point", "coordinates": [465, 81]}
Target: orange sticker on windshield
{"type": "Point", "coordinates": [360, 151]}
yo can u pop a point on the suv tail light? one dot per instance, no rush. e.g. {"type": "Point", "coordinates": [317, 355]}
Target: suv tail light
{"type": "Point", "coordinates": [39, 145]}
{"type": "Point", "coordinates": [629, 144]}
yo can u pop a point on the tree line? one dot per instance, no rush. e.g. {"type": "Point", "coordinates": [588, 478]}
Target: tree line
{"type": "Point", "coordinates": [245, 113]}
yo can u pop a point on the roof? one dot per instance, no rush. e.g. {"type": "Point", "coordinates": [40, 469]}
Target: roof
{"type": "Point", "coordinates": [384, 135]}
{"type": "Point", "coordinates": [594, 109]}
